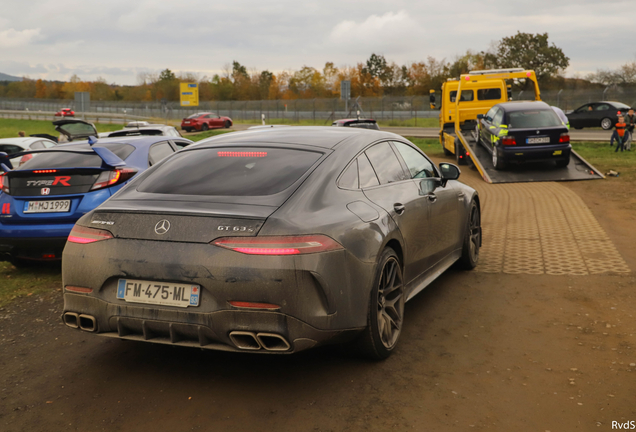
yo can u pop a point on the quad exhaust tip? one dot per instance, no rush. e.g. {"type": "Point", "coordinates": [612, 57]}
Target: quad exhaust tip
{"type": "Point", "coordinates": [81, 321]}
{"type": "Point", "coordinates": [273, 342]}
{"type": "Point", "coordinates": [71, 319]}
{"type": "Point", "coordinates": [255, 341]}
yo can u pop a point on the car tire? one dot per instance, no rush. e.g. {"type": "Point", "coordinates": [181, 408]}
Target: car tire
{"type": "Point", "coordinates": [497, 162]}
{"type": "Point", "coordinates": [562, 163]}
{"type": "Point", "coordinates": [205, 127]}
{"type": "Point", "coordinates": [606, 123]}
{"type": "Point", "coordinates": [460, 153]}
{"type": "Point", "coordinates": [472, 239]}
{"type": "Point", "coordinates": [187, 129]}
{"type": "Point", "coordinates": [386, 307]}
{"type": "Point", "coordinates": [227, 124]}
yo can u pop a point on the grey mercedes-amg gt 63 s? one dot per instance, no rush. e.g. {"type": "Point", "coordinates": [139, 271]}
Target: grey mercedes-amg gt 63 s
{"type": "Point", "coordinates": [271, 241]}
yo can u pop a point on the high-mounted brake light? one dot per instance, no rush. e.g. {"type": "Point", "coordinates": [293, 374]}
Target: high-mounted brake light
{"type": "Point", "coordinates": [111, 178]}
{"type": "Point", "coordinates": [44, 171]}
{"type": "Point", "coordinates": [241, 154]}
{"type": "Point", "coordinates": [274, 245]}
{"type": "Point", "coordinates": [508, 140]}
{"type": "Point", "coordinates": [564, 138]}
{"type": "Point", "coordinates": [83, 235]}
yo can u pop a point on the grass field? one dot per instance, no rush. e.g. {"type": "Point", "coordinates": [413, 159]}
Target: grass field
{"type": "Point", "coordinates": [604, 158]}
{"type": "Point", "coordinates": [419, 122]}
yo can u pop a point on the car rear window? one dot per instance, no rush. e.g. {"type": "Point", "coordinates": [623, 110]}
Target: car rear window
{"type": "Point", "coordinates": [193, 116]}
{"type": "Point", "coordinates": [225, 171]}
{"type": "Point", "coordinates": [57, 159]}
{"type": "Point", "coordinates": [533, 119]}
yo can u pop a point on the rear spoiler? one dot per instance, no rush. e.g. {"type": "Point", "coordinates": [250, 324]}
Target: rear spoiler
{"type": "Point", "coordinates": [109, 158]}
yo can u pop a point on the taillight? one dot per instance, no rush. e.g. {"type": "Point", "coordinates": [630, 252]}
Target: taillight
{"type": "Point", "coordinates": [564, 138]}
{"type": "Point", "coordinates": [287, 245]}
{"type": "Point", "coordinates": [4, 183]}
{"type": "Point", "coordinates": [25, 158]}
{"type": "Point", "coordinates": [508, 140]}
{"type": "Point", "coordinates": [111, 178]}
{"type": "Point", "coordinates": [83, 235]}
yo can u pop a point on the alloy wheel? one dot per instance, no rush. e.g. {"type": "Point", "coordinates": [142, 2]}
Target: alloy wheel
{"type": "Point", "coordinates": [475, 233]}
{"type": "Point", "coordinates": [390, 303]}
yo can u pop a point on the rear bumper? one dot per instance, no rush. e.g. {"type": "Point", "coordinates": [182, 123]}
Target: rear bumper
{"type": "Point", "coordinates": [33, 241]}
{"type": "Point", "coordinates": [534, 153]}
{"type": "Point", "coordinates": [321, 297]}
{"type": "Point", "coordinates": [223, 330]}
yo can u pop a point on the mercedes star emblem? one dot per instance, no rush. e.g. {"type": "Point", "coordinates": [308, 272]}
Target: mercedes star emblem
{"type": "Point", "coordinates": [162, 227]}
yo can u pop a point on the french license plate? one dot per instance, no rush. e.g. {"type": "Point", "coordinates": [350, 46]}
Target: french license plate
{"type": "Point", "coordinates": [58, 206]}
{"type": "Point", "coordinates": [160, 293]}
{"type": "Point", "coordinates": [538, 140]}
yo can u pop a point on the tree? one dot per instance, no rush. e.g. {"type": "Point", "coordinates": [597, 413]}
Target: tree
{"type": "Point", "coordinates": [167, 75]}
{"type": "Point", "coordinates": [529, 51]}
{"type": "Point", "coordinates": [264, 81]}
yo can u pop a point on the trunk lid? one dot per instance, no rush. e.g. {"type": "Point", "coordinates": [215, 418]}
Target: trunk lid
{"type": "Point", "coordinates": [537, 136]}
{"type": "Point", "coordinates": [200, 225]}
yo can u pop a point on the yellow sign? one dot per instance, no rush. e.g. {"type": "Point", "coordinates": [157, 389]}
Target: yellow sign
{"type": "Point", "coordinates": [189, 94]}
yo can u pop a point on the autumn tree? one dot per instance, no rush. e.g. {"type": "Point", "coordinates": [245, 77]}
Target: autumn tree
{"type": "Point", "coordinates": [528, 51]}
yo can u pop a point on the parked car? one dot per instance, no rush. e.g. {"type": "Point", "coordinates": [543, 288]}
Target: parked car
{"type": "Point", "coordinates": [147, 130]}
{"type": "Point", "coordinates": [74, 130]}
{"type": "Point", "coordinates": [44, 197]}
{"type": "Point", "coordinates": [17, 145]}
{"type": "Point", "coordinates": [597, 114]}
{"type": "Point", "coordinates": [65, 112]}
{"type": "Point", "coordinates": [273, 241]}
{"type": "Point", "coordinates": [136, 124]}
{"type": "Point", "coordinates": [358, 123]}
{"type": "Point", "coordinates": [524, 132]}
{"type": "Point", "coordinates": [204, 121]}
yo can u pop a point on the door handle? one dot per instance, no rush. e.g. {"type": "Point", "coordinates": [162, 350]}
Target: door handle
{"type": "Point", "coordinates": [399, 208]}
{"type": "Point", "coordinates": [431, 197]}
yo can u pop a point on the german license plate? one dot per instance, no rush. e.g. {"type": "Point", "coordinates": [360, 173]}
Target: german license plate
{"type": "Point", "coordinates": [160, 293]}
{"type": "Point", "coordinates": [58, 206]}
{"type": "Point", "coordinates": [538, 140]}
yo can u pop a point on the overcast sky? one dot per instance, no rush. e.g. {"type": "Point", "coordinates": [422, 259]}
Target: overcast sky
{"type": "Point", "coordinates": [118, 39]}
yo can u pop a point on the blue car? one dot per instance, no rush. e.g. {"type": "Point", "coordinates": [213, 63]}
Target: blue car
{"type": "Point", "coordinates": [42, 199]}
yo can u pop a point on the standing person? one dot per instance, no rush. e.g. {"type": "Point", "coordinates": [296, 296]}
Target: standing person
{"type": "Point", "coordinates": [620, 132]}
{"type": "Point", "coordinates": [630, 121]}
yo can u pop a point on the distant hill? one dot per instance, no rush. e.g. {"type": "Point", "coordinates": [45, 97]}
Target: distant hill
{"type": "Point", "coordinates": [5, 77]}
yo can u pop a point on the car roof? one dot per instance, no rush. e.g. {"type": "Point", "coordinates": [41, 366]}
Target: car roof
{"type": "Point", "coordinates": [22, 141]}
{"type": "Point", "coordinates": [135, 141]}
{"type": "Point", "coordinates": [523, 105]}
{"type": "Point", "coordinates": [316, 136]}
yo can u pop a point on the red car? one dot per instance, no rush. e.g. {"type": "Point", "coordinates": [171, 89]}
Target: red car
{"type": "Point", "coordinates": [65, 112]}
{"type": "Point", "coordinates": [204, 121]}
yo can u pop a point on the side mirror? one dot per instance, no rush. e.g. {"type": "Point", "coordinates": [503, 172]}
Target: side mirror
{"type": "Point", "coordinates": [428, 185]}
{"type": "Point", "coordinates": [480, 116]}
{"type": "Point", "coordinates": [449, 172]}
{"type": "Point", "coordinates": [431, 98]}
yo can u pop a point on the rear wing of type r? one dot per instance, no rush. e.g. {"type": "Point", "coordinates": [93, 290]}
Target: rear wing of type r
{"type": "Point", "coordinates": [109, 158]}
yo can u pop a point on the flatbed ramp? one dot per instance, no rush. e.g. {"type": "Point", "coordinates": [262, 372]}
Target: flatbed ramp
{"type": "Point", "coordinates": [577, 169]}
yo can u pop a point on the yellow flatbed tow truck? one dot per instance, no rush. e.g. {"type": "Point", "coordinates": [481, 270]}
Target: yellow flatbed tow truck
{"type": "Point", "coordinates": [472, 95]}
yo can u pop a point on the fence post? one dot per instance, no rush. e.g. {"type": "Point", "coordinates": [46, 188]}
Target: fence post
{"type": "Point", "coordinates": [314, 110]}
